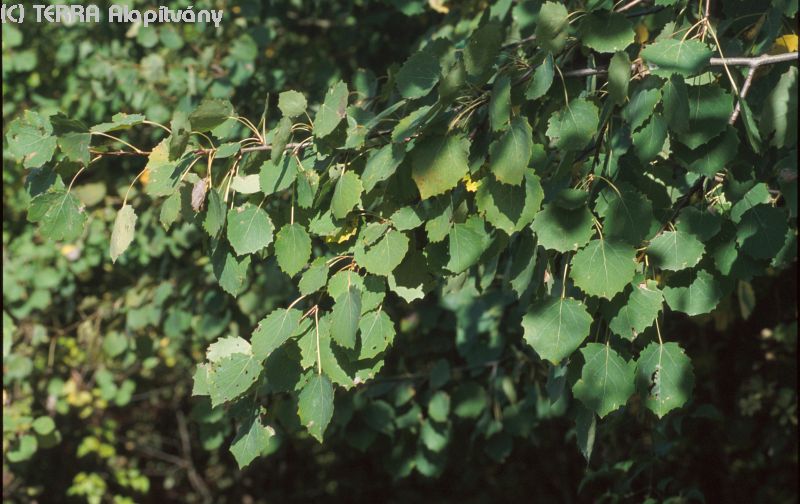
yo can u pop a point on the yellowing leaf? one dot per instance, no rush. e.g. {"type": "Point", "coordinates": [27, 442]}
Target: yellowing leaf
{"type": "Point", "coordinates": [344, 234]}
{"type": "Point", "coordinates": [439, 6]}
{"type": "Point", "coordinates": [784, 44]}
{"type": "Point", "coordinates": [642, 33]}
{"type": "Point", "coordinates": [472, 185]}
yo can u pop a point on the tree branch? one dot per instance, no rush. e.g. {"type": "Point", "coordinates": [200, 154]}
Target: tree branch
{"type": "Point", "coordinates": [752, 63]}
{"type": "Point", "coordinates": [755, 62]}
{"type": "Point", "coordinates": [742, 95]}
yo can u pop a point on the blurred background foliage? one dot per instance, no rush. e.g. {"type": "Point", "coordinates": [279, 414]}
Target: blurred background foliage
{"type": "Point", "coordinates": [97, 360]}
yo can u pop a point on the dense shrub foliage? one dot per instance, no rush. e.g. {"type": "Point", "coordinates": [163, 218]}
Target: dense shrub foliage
{"type": "Point", "coordinates": [456, 250]}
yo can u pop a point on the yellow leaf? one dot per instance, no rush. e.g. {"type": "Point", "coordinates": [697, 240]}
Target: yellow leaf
{"type": "Point", "coordinates": [145, 177]}
{"type": "Point", "coordinates": [472, 185]}
{"type": "Point", "coordinates": [642, 33]}
{"type": "Point", "coordinates": [439, 6]}
{"type": "Point", "coordinates": [345, 234]}
{"type": "Point", "coordinates": [70, 251]}
{"type": "Point", "coordinates": [784, 44]}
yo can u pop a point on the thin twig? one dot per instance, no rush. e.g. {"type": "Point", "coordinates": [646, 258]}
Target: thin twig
{"type": "Point", "coordinates": [742, 95]}
{"type": "Point", "coordinates": [629, 5]}
{"type": "Point", "coordinates": [755, 62]}
{"type": "Point", "coordinates": [186, 448]}
{"type": "Point", "coordinates": [764, 59]}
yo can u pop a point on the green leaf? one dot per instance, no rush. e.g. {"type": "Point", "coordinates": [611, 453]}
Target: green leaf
{"type": "Point", "coordinates": [315, 277]}
{"type": "Point", "coordinates": [60, 215]}
{"type": "Point", "coordinates": [229, 271]}
{"type": "Point", "coordinates": [181, 132]}
{"type": "Point", "coordinates": [119, 121]}
{"type": "Point", "coordinates": [542, 79]}
{"type": "Point", "coordinates": [273, 331]}
{"type": "Point", "coordinates": [572, 127]}
{"type": "Point", "coordinates": [756, 195]}
{"type": "Point", "coordinates": [639, 312]}
{"type": "Point", "coordinates": [307, 186]}
{"type": "Point", "coordinates": [469, 400]}
{"type": "Point", "coordinates": [779, 114]}
{"type": "Point", "coordinates": [606, 32]}
{"type": "Point", "coordinates": [43, 426]}
{"type": "Point", "coordinates": [552, 28]}
{"type": "Point", "coordinates": [340, 282]}
{"type": "Point", "coordinates": [252, 439]}
{"type": "Point", "coordinates": [627, 215]}
{"type": "Point", "coordinates": [761, 232]}
{"type": "Point", "coordinates": [377, 333]}
{"type": "Point", "coordinates": [439, 163]}
{"type": "Point", "coordinates": [664, 377]}
{"type": "Point", "coordinates": [684, 57]}
{"type": "Point", "coordinates": [249, 229]}
{"type": "Point", "coordinates": [712, 157]}
{"type": "Point", "coordinates": [453, 80]}
{"type": "Point", "coordinates": [225, 347]}
{"type": "Point", "coordinates": [411, 280]}
{"type": "Point", "coordinates": [585, 431]}
{"type": "Point", "coordinates": [676, 103]}
{"type": "Point", "coordinates": [385, 255]}
{"type": "Point", "coordinates": [675, 250]}
{"type": "Point", "coordinates": [332, 110]}
{"type": "Point", "coordinates": [563, 230]}
{"type": "Point", "coordinates": [170, 210]}
{"type": "Point", "coordinates": [277, 177]}
{"type": "Point", "coordinates": [292, 104]}
{"type": "Point", "coordinates": [649, 140]}
{"type": "Point", "coordinates": [468, 241]}
{"type": "Point", "coordinates": [231, 377]}
{"type": "Point", "coordinates": [483, 46]}
{"type": "Point", "coordinates": [440, 219]}
{"type": "Point", "coordinates": [604, 267]}
{"type": "Point", "coordinates": [407, 218]}
{"type": "Point", "coordinates": [701, 296]}
{"type": "Point", "coordinates": [607, 380]}
{"type": "Point", "coordinates": [280, 138]}
{"type": "Point", "coordinates": [508, 207]}
{"type": "Point", "coordinates": [200, 380]}
{"type": "Point", "coordinates": [702, 224]}
{"type": "Point", "coordinates": [292, 248]}
{"type": "Point", "coordinates": [382, 164]}
{"type": "Point", "coordinates": [619, 76]}
{"type": "Point", "coordinates": [345, 317]}
{"type": "Point", "coordinates": [122, 235]}
{"type": "Point", "coordinates": [165, 175]}
{"type": "Point", "coordinates": [247, 184]}
{"type": "Point", "coordinates": [523, 263]}
{"type": "Point", "coordinates": [500, 103]}
{"type": "Point", "coordinates": [322, 354]}
{"type": "Point", "coordinates": [75, 147]}
{"type": "Point", "coordinates": [346, 195]}
{"type": "Point", "coordinates": [556, 327]}
{"type": "Point", "coordinates": [315, 405]}
{"type": "Point", "coordinates": [439, 407]}
{"type": "Point", "coordinates": [411, 124]}
{"type": "Point", "coordinates": [641, 107]}
{"type": "Point", "coordinates": [210, 114]}
{"type": "Point", "coordinates": [26, 449]}
{"type": "Point", "coordinates": [418, 75]}
{"type": "Point", "coordinates": [215, 213]}
{"type": "Point", "coordinates": [709, 109]}
{"type": "Point", "coordinates": [512, 152]}
{"type": "Point", "coordinates": [30, 139]}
